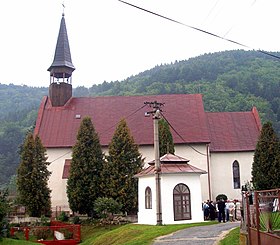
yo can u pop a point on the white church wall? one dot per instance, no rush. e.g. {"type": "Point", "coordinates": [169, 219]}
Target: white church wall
{"type": "Point", "coordinates": [146, 216]}
{"type": "Point", "coordinates": [57, 185]}
{"type": "Point", "coordinates": [222, 174]}
{"type": "Point", "coordinates": [168, 182]}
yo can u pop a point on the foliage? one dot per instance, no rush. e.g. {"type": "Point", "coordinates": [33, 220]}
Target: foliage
{"type": "Point", "coordinates": [83, 186]}
{"type": "Point", "coordinates": [4, 208]}
{"type": "Point", "coordinates": [32, 178]}
{"type": "Point", "coordinates": [266, 160]}
{"type": "Point", "coordinates": [166, 144]}
{"type": "Point", "coordinates": [42, 233]}
{"type": "Point", "coordinates": [63, 217]}
{"type": "Point", "coordinates": [104, 207]}
{"type": "Point", "coordinates": [123, 162]}
{"type": "Point", "coordinates": [221, 196]}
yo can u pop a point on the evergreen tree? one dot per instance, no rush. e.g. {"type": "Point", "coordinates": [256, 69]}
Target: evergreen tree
{"type": "Point", "coordinates": [266, 165]}
{"type": "Point", "coordinates": [83, 186]}
{"type": "Point", "coordinates": [123, 162]}
{"type": "Point", "coordinates": [32, 178]}
{"type": "Point", "coordinates": [166, 144]}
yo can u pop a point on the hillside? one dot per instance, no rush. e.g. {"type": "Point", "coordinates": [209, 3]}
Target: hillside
{"type": "Point", "coordinates": [229, 81]}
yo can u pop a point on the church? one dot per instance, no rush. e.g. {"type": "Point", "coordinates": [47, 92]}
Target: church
{"type": "Point", "coordinates": [219, 144]}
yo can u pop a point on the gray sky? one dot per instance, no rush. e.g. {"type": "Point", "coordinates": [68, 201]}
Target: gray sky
{"type": "Point", "coordinates": [111, 41]}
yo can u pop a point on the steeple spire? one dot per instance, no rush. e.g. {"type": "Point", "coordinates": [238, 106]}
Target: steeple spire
{"type": "Point", "coordinates": [62, 66]}
{"type": "Point", "coordinates": [60, 90]}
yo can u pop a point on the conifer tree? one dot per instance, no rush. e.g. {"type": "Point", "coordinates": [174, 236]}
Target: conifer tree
{"type": "Point", "coordinates": [166, 144]}
{"type": "Point", "coordinates": [83, 186]}
{"type": "Point", "coordinates": [123, 162]}
{"type": "Point", "coordinates": [32, 178]}
{"type": "Point", "coordinates": [266, 164]}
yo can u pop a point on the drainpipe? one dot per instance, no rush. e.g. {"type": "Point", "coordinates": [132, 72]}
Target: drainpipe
{"type": "Point", "coordinates": [208, 172]}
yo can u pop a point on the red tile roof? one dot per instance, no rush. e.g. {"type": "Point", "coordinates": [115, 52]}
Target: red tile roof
{"type": "Point", "coordinates": [233, 131]}
{"type": "Point", "coordinates": [170, 158]}
{"type": "Point", "coordinates": [58, 126]}
{"type": "Point", "coordinates": [227, 131]}
{"type": "Point", "coordinates": [171, 164]}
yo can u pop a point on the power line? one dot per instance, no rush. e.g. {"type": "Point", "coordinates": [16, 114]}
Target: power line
{"type": "Point", "coordinates": [131, 114]}
{"type": "Point", "coordinates": [198, 29]}
{"type": "Point", "coordinates": [181, 137]}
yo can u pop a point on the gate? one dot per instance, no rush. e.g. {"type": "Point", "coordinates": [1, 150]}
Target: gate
{"type": "Point", "coordinates": [262, 217]}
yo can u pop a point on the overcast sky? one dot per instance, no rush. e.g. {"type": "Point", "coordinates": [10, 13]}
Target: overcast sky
{"type": "Point", "coordinates": [111, 41]}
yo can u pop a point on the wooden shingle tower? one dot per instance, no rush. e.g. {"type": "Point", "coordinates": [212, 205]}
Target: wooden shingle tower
{"type": "Point", "coordinates": [60, 89]}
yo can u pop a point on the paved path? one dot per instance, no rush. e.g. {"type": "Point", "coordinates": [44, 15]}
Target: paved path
{"type": "Point", "coordinates": [199, 235]}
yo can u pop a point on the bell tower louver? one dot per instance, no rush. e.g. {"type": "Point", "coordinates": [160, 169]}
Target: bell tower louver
{"type": "Point", "coordinates": [60, 89]}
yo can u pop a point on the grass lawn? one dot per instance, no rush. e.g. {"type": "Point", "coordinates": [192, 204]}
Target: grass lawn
{"type": "Point", "coordinates": [130, 234]}
{"type": "Point", "coordinates": [7, 241]}
{"type": "Point", "coordinates": [134, 234]}
{"type": "Point", "coordinates": [232, 238]}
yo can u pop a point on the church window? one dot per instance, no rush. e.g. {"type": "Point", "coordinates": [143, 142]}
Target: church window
{"type": "Point", "coordinates": [236, 175]}
{"type": "Point", "coordinates": [148, 198]}
{"type": "Point", "coordinates": [182, 202]}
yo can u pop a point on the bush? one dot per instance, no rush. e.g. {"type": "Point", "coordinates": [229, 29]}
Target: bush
{"type": "Point", "coordinates": [63, 217]}
{"type": "Point", "coordinates": [104, 207]}
{"type": "Point", "coordinates": [76, 220]}
{"type": "Point", "coordinates": [42, 233]}
{"type": "Point", "coordinates": [221, 196]}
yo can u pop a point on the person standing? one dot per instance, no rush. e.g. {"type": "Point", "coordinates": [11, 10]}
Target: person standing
{"type": "Point", "coordinates": [221, 207]}
{"type": "Point", "coordinates": [212, 210]}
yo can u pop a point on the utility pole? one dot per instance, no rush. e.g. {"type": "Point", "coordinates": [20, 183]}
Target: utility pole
{"type": "Point", "coordinates": [156, 116]}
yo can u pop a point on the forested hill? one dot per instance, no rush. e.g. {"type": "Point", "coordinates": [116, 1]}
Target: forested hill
{"type": "Point", "coordinates": [229, 81]}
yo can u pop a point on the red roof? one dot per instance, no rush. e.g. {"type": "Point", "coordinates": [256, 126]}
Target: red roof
{"type": "Point", "coordinates": [170, 158]}
{"type": "Point", "coordinates": [233, 131]}
{"type": "Point", "coordinates": [227, 131]}
{"type": "Point", "coordinates": [171, 164]}
{"type": "Point", "coordinates": [58, 126]}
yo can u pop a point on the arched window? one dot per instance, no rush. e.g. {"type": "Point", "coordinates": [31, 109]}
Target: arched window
{"type": "Point", "coordinates": [148, 198]}
{"type": "Point", "coordinates": [236, 175]}
{"type": "Point", "coordinates": [181, 202]}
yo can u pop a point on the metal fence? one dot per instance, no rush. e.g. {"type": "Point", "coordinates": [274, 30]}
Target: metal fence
{"type": "Point", "coordinates": [261, 217]}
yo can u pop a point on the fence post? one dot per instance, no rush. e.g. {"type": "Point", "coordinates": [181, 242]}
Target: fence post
{"type": "Point", "coordinates": [257, 216]}
{"type": "Point", "coordinates": [248, 217]}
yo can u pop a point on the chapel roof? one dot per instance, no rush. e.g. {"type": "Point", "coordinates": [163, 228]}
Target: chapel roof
{"type": "Point", "coordinates": [171, 164]}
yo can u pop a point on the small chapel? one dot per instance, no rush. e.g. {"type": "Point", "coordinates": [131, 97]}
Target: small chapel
{"type": "Point", "coordinates": [213, 150]}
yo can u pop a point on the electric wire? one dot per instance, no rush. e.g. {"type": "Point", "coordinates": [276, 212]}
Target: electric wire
{"type": "Point", "coordinates": [198, 29]}
{"type": "Point", "coordinates": [131, 114]}
{"type": "Point", "coordinates": [181, 137]}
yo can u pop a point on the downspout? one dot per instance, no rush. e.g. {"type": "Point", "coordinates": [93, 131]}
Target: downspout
{"type": "Point", "coordinates": [208, 172]}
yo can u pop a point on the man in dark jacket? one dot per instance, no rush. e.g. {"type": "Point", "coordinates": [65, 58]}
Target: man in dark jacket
{"type": "Point", "coordinates": [221, 207]}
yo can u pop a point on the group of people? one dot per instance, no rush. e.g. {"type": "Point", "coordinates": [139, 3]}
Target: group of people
{"type": "Point", "coordinates": [224, 210]}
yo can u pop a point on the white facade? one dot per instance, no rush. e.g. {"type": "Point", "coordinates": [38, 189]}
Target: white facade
{"type": "Point", "coordinates": [220, 171]}
{"type": "Point", "coordinates": [168, 182]}
{"type": "Point", "coordinates": [221, 174]}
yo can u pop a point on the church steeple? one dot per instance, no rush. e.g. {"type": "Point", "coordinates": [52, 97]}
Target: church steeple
{"type": "Point", "coordinates": [60, 90]}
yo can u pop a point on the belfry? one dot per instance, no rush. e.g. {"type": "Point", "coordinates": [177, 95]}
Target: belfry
{"type": "Point", "coordinates": [60, 89]}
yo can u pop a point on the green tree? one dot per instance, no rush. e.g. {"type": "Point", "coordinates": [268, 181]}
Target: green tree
{"type": "Point", "coordinates": [166, 144]}
{"type": "Point", "coordinates": [32, 178]}
{"type": "Point", "coordinates": [123, 162]}
{"type": "Point", "coordinates": [266, 164]}
{"type": "Point", "coordinates": [4, 208]}
{"type": "Point", "coordinates": [83, 186]}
